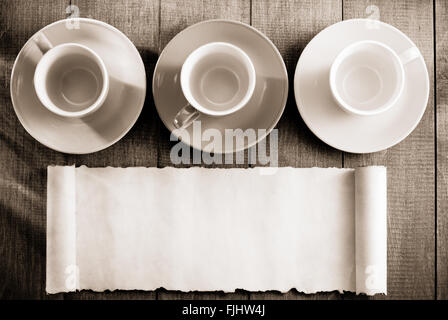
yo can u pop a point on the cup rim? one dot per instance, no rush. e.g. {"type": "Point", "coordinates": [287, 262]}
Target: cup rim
{"type": "Point", "coordinates": [341, 102]}
{"type": "Point", "coordinates": [76, 114]}
{"type": "Point", "coordinates": [193, 102]}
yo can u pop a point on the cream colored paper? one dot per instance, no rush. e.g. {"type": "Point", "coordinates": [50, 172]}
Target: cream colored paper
{"type": "Point", "coordinates": [217, 229]}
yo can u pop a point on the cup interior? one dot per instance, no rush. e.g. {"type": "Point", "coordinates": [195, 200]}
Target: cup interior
{"type": "Point", "coordinates": [71, 80]}
{"type": "Point", "coordinates": [218, 78]}
{"type": "Point", "coordinates": [366, 78]}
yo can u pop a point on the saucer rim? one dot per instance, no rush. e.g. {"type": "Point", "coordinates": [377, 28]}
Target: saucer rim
{"type": "Point", "coordinates": [278, 55]}
{"type": "Point", "coordinates": [308, 122]}
{"type": "Point", "coordinates": [119, 137]}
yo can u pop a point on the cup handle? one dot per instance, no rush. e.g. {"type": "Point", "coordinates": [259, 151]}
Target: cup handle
{"type": "Point", "coordinates": [186, 116]}
{"type": "Point", "coordinates": [409, 55]}
{"type": "Point", "coordinates": [42, 42]}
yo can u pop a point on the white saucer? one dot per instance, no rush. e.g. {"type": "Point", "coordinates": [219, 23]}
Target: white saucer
{"type": "Point", "coordinates": [339, 129]}
{"type": "Point", "coordinates": [271, 90]}
{"type": "Point", "coordinates": [115, 117]}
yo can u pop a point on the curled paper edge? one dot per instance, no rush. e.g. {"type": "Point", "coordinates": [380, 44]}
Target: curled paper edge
{"type": "Point", "coordinates": [371, 230]}
{"type": "Point", "coordinates": [62, 273]}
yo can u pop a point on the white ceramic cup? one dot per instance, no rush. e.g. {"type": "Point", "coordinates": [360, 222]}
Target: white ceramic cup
{"type": "Point", "coordinates": [70, 80]}
{"type": "Point", "coordinates": [368, 77]}
{"type": "Point", "coordinates": [217, 79]}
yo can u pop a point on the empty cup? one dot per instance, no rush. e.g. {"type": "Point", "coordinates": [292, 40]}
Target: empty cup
{"type": "Point", "coordinates": [70, 80]}
{"type": "Point", "coordinates": [367, 77]}
{"type": "Point", "coordinates": [217, 79]}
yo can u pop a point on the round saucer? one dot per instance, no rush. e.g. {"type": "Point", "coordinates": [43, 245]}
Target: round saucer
{"type": "Point", "coordinates": [348, 132]}
{"type": "Point", "coordinates": [127, 83]}
{"type": "Point", "coordinates": [264, 108]}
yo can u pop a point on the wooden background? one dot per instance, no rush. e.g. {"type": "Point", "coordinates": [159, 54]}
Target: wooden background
{"type": "Point", "coordinates": [417, 167]}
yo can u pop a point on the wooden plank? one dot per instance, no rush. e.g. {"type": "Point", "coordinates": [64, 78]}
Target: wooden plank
{"type": "Point", "coordinates": [291, 25]}
{"type": "Point", "coordinates": [441, 85]}
{"type": "Point", "coordinates": [410, 164]}
{"type": "Point", "coordinates": [176, 16]}
{"type": "Point", "coordinates": [22, 163]}
{"type": "Point", "coordinates": [139, 21]}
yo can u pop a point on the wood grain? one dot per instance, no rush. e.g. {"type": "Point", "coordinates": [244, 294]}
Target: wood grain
{"type": "Point", "coordinates": [174, 17]}
{"type": "Point", "coordinates": [22, 163]}
{"type": "Point", "coordinates": [441, 31]}
{"type": "Point", "coordinates": [291, 25]}
{"type": "Point", "coordinates": [410, 165]}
